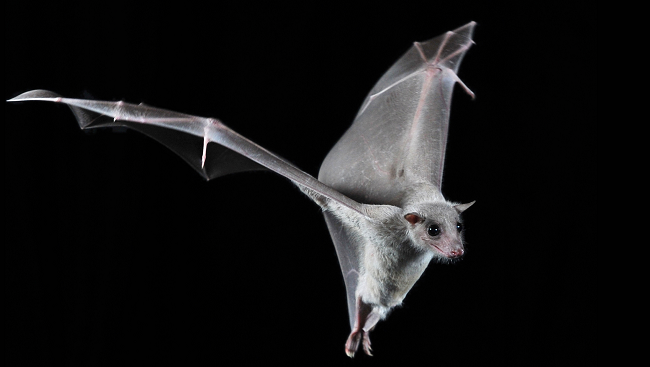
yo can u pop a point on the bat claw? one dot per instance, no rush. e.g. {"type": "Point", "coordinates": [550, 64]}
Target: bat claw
{"type": "Point", "coordinates": [467, 90]}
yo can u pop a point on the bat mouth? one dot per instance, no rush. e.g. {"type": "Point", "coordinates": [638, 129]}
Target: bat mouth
{"type": "Point", "coordinates": [451, 254]}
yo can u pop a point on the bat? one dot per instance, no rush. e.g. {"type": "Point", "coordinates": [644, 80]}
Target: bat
{"type": "Point", "coordinates": [379, 187]}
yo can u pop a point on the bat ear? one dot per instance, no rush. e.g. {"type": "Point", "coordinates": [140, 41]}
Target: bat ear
{"type": "Point", "coordinates": [413, 218]}
{"type": "Point", "coordinates": [462, 207]}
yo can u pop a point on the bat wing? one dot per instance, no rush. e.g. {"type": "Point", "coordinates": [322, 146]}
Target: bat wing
{"type": "Point", "coordinates": [347, 249]}
{"type": "Point", "coordinates": [399, 136]}
{"type": "Point", "coordinates": [189, 136]}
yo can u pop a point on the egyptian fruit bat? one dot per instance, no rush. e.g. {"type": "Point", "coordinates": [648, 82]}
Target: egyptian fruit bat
{"type": "Point", "coordinates": [379, 186]}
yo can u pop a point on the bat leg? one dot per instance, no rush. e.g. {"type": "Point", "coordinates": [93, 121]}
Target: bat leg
{"type": "Point", "coordinates": [366, 319]}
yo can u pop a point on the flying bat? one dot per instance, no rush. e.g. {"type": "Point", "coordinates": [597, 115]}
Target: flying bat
{"type": "Point", "coordinates": [379, 186]}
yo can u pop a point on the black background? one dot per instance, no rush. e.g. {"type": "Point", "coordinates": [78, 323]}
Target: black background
{"type": "Point", "coordinates": [117, 252]}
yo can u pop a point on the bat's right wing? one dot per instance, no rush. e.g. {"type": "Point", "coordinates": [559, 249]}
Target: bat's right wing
{"type": "Point", "coordinates": [189, 136]}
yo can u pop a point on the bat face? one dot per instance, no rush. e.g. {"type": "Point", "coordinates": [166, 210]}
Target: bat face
{"type": "Point", "coordinates": [437, 227]}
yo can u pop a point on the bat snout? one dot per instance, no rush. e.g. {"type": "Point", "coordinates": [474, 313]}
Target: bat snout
{"type": "Point", "coordinates": [450, 253]}
{"type": "Point", "coordinates": [454, 254]}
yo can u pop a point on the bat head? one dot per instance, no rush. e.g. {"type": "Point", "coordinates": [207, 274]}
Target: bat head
{"type": "Point", "coordinates": [437, 227]}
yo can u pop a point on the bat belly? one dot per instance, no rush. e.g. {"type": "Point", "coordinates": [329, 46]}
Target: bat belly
{"type": "Point", "coordinates": [387, 279]}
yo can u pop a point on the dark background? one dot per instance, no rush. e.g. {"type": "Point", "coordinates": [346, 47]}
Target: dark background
{"type": "Point", "coordinates": [117, 252]}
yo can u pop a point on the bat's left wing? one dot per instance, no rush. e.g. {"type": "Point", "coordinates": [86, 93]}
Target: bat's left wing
{"type": "Point", "coordinates": [189, 136]}
{"type": "Point", "coordinates": [399, 136]}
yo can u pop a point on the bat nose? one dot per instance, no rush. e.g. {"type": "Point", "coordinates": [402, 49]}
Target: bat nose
{"type": "Point", "coordinates": [457, 253]}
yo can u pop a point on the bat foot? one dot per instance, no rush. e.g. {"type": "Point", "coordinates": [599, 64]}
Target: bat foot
{"type": "Point", "coordinates": [356, 338]}
{"type": "Point", "coordinates": [366, 344]}
{"type": "Point", "coordinates": [352, 344]}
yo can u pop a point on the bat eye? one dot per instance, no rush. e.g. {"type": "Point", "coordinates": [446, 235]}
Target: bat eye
{"type": "Point", "coordinates": [459, 226]}
{"type": "Point", "coordinates": [433, 230]}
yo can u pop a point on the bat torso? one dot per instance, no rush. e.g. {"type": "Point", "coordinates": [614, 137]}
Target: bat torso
{"type": "Point", "coordinates": [389, 270]}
